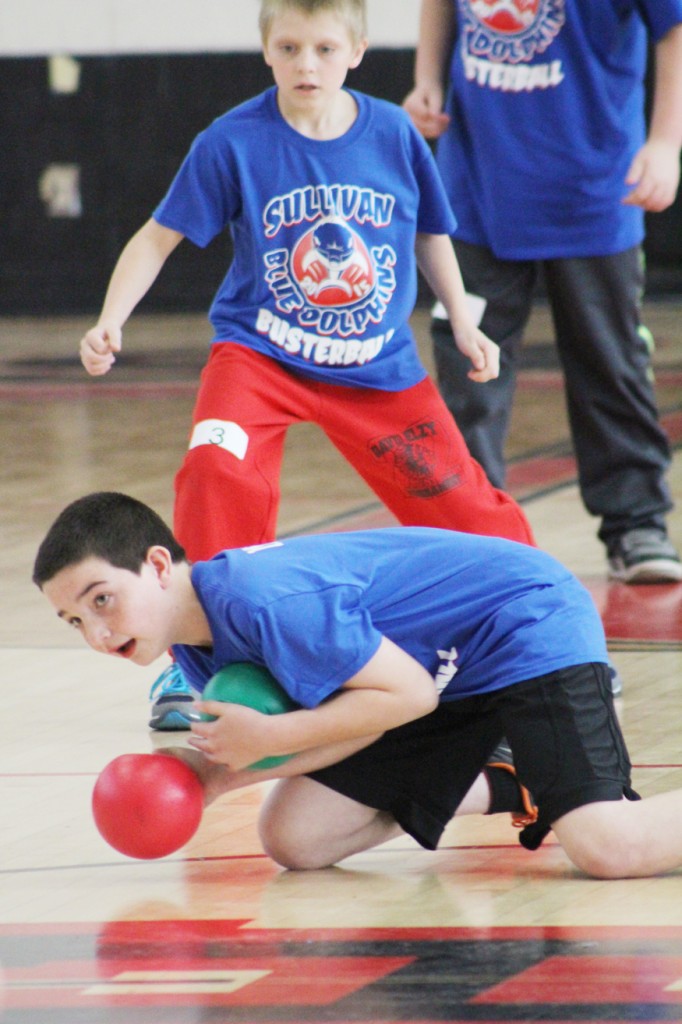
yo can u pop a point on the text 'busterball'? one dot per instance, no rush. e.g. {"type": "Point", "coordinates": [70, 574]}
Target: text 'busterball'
{"type": "Point", "coordinates": [147, 805]}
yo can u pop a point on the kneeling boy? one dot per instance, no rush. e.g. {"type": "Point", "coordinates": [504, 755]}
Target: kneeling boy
{"type": "Point", "coordinates": [410, 651]}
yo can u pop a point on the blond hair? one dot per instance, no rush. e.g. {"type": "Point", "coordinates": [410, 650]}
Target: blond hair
{"type": "Point", "coordinates": [352, 12]}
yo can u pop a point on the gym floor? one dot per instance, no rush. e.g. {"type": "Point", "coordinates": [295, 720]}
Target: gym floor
{"type": "Point", "coordinates": [480, 930]}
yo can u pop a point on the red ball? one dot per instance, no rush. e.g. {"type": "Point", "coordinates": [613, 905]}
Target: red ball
{"type": "Point", "coordinates": [147, 805]}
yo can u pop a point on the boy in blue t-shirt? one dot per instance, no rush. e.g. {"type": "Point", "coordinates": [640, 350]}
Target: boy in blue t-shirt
{"type": "Point", "coordinates": [410, 652]}
{"type": "Point", "coordinates": [539, 111]}
{"type": "Point", "coordinates": [328, 195]}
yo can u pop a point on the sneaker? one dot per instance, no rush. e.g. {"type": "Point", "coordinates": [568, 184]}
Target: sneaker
{"type": "Point", "coordinates": [501, 757]}
{"type": "Point", "coordinates": [644, 555]}
{"type": "Point", "coordinates": [172, 696]}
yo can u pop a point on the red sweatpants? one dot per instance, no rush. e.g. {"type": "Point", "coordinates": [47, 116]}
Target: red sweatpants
{"type": "Point", "coordinates": [405, 445]}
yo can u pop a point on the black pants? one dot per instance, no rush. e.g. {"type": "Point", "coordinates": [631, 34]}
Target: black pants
{"type": "Point", "coordinates": [621, 449]}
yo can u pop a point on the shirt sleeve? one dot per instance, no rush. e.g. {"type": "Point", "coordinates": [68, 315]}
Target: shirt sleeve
{"type": "Point", "coordinates": [203, 197]}
{"type": "Point", "coordinates": [660, 16]}
{"type": "Point", "coordinates": [314, 643]}
{"type": "Point", "coordinates": [435, 215]}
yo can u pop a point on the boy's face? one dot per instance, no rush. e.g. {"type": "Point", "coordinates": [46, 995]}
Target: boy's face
{"type": "Point", "coordinates": [117, 611]}
{"type": "Point", "coordinates": [310, 55]}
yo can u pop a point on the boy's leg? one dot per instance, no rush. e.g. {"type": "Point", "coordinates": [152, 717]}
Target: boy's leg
{"type": "Point", "coordinates": [625, 839]}
{"type": "Point", "coordinates": [410, 451]}
{"type": "Point", "coordinates": [425, 771]}
{"type": "Point", "coordinates": [304, 824]}
{"type": "Point", "coordinates": [482, 412]}
{"type": "Point", "coordinates": [569, 751]}
{"type": "Point", "coordinates": [413, 779]}
{"type": "Point", "coordinates": [622, 451]}
{"type": "Point", "coordinates": [227, 489]}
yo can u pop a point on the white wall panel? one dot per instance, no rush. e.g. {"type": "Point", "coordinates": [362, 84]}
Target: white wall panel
{"type": "Point", "coordinates": [42, 27]}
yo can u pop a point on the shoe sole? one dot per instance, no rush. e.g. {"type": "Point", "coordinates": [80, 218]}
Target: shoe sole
{"type": "Point", "coordinates": [653, 570]}
{"type": "Point", "coordinates": [171, 721]}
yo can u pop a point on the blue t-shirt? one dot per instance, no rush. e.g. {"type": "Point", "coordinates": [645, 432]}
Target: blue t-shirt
{"type": "Point", "coordinates": [479, 613]}
{"type": "Point", "coordinates": [547, 113]}
{"type": "Point", "coordinates": [324, 275]}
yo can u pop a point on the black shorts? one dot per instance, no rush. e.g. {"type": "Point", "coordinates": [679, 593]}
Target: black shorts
{"type": "Point", "coordinates": [562, 728]}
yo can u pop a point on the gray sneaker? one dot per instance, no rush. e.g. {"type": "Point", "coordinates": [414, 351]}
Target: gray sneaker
{"type": "Point", "coordinates": [644, 555]}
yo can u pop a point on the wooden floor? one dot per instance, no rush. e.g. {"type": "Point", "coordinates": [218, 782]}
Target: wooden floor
{"type": "Point", "coordinates": [480, 930]}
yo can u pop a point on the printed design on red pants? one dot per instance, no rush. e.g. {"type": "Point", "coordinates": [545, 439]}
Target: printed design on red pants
{"type": "Point", "coordinates": [510, 31]}
{"type": "Point", "coordinates": [421, 464]}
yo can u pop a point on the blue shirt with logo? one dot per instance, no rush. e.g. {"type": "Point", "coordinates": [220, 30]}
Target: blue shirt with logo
{"type": "Point", "coordinates": [479, 613]}
{"type": "Point", "coordinates": [323, 276]}
{"type": "Point", "coordinates": [547, 112]}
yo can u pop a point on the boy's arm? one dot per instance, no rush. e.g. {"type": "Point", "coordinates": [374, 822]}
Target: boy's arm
{"type": "Point", "coordinates": [217, 778]}
{"type": "Point", "coordinates": [438, 263]}
{"type": "Point", "coordinates": [390, 690]}
{"type": "Point", "coordinates": [655, 170]}
{"type": "Point", "coordinates": [136, 270]}
{"type": "Point", "coordinates": [425, 103]}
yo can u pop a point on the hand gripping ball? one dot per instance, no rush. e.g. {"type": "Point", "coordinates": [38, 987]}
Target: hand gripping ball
{"type": "Point", "coordinates": [255, 687]}
{"type": "Point", "coordinates": [147, 805]}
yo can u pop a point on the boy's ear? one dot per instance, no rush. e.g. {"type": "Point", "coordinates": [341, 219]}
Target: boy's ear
{"type": "Point", "coordinates": [360, 51]}
{"type": "Point", "coordinates": [161, 561]}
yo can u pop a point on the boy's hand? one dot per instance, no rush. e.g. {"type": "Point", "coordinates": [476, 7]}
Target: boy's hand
{"type": "Point", "coordinates": [655, 175]}
{"type": "Point", "coordinates": [216, 779]}
{"type": "Point", "coordinates": [483, 352]}
{"type": "Point", "coordinates": [425, 106]}
{"type": "Point", "coordinates": [98, 348]}
{"type": "Point", "coordinates": [238, 737]}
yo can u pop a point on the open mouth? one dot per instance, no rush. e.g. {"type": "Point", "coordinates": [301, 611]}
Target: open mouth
{"type": "Point", "coordinates": [127, 649]}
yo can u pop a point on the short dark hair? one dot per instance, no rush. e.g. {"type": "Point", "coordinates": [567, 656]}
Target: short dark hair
{"type": "Point", "coordinates": [114, 527]}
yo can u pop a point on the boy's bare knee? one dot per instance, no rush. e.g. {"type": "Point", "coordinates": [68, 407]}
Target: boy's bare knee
{"type": "Point", "coordinates": [304, 825]}
{"type": "Point", "coordinates": [292, 851]}
{"type": "Point", "coordinates": [619, 859]}
{"type": "Point", "coordinates": [291, 825]}
{"type": "Point", "coordinates": [601, 840]}
{"type": "Point", "coordinates": [597, 863]}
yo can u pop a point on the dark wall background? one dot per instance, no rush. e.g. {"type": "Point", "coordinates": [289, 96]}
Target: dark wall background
{"type": "Point", "coordinates": [128, 127]}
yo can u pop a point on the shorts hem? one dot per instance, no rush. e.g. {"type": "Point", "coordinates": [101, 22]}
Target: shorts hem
{"type": "Point", "coordinates": [533, 835]}
{"type": "Point", "coordinates": [417, 821]}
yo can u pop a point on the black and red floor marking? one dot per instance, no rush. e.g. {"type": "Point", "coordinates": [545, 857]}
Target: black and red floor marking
{"type": "Point", "coordinates": [212, 972]}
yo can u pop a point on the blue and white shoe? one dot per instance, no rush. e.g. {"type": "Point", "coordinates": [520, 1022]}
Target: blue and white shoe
{"type": "Point", "coordinates": [172, 698]}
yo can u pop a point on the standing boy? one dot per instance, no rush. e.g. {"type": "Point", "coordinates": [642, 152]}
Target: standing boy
{"type": "Point", "coordinates": [443, 642]}
{"type": "Point", "coordinates": [328, 194]}
{"type": "Point", "coordinates": [545, 157]}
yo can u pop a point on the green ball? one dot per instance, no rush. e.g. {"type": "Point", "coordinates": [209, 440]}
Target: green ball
{"type": "Point", "coordinates": [255, 687]}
